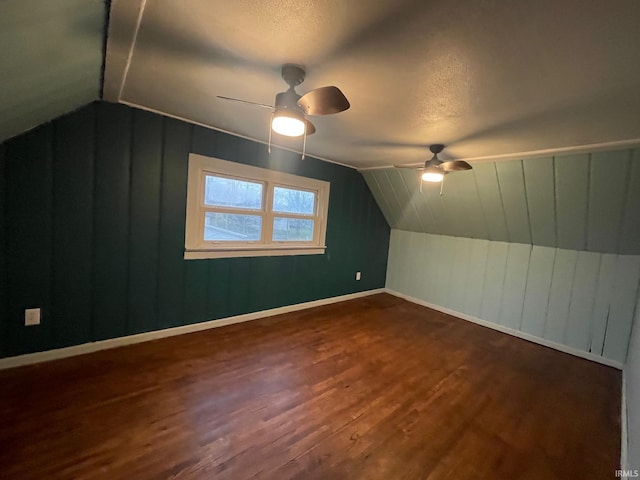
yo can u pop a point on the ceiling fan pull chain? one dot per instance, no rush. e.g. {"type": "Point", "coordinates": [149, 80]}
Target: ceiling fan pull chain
{"type": "Point", "coordinates": [441, 186]}
{"type": "Point", "coordinates": [304, 144]}
{"type": "Point", "coordinates": [269, 148]}
{"type": "Point", "coordinates": [421, 182]}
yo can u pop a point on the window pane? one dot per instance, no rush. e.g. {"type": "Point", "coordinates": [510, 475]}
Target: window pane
{"type": "Point", "coordinates": [230, 192]}
{"type": "Point", "coordinates": [232, 227]}
{"type": "Point", "coordinates": [292, 230]}
{"type": "Point", "coordinates": [289, 200]}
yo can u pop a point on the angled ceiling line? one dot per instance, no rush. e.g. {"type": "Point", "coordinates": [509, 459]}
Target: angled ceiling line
{"type": "Point", "coordinates": [548, 152]}
{"type": "Point", "coordinates": [133, 46]}
{"type": "Point", "coordinates": [210, 127]}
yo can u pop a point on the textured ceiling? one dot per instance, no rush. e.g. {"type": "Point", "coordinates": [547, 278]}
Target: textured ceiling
{"type": "Point", "coordinates": [487, 78]}
{"type": "Point", "coordinates": [577, 202]}
{"type": "Point", "coordinates": [50, 59]}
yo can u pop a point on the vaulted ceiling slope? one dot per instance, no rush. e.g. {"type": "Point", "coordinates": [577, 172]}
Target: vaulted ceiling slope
{"type": "Point", "coordinates": [50, 60]}
{"type": "Point", "coordinates": [486, 78]}
{"type": "Point", "coordinates": [580, 202]}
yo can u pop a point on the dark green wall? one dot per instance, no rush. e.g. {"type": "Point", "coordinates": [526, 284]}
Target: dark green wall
{"type": "Point", "coordinates": [92, 212]}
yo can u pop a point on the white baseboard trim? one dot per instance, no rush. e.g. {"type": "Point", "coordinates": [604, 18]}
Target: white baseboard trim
{"type": "Point", "coordinates": [623, 423]}
{"type": "Point", "coordinates": [511, 331]}
{"type": "Point", "coordinates": [31, 358]}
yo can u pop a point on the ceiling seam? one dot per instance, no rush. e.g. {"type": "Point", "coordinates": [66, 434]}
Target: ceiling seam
{"type": "Point", "coordinates": [555, 202]}
{"type": "Point", "coordinates": [484, 214]}
{"type": "Point", "coordinates": [133, 45]}
{"type": "Point", "coordinates": [546, 311]}
{"type": "Point", "coordinates": [625, 199]}
{"type": "Point", "coordinates": [526, 200]}
{"type": "Point", "coordinates": [585, 245]}
{"type": "Point", "coordinates": [593, 305]}
{"type": "Point", "coordinates": [105, 39]}
{"type": "Point", "coordinates": [504, 212]}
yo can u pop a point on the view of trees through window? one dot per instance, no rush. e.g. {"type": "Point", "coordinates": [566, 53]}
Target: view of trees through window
{"type": "Point", "coordinates": [231, 193]}
{"type": "Point", "coordinates": [289, 200]}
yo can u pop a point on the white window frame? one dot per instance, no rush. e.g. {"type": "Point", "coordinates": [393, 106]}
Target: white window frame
{"type": "Point", "coordinates": [195, 245]}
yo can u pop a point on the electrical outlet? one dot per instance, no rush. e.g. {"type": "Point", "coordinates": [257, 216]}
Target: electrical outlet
{"type": "Point", "coordinates": [32, 316]}
{"type": "Point", "coordinates": [357, 275]}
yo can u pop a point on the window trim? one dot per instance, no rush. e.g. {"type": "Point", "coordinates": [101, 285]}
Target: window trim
{"type": "Point", "coordinates": [198, 248]}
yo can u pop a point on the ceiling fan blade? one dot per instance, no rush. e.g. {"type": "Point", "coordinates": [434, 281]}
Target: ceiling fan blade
{"type": "Point", "coordinates": [311, 128]}
{"type": "Point", "coordinates": [246, 101]}
{"type": "Point", "coordinates": [455, 166]}
{"type": "Point", "coordinates": [324, 101]}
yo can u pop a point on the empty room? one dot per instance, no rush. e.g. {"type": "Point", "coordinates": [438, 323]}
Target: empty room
{"type": "Point", "coordinates": [392, 239]}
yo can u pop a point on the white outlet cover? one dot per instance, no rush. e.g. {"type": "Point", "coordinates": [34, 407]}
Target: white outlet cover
{"type": "Point", "coordinates": [32, 316]}
{"type": "Point", "coordinates": [357, 275]}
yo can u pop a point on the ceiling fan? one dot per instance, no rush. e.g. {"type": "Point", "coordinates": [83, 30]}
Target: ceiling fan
{"type": "Point", "coordinates": [435, 169]}
{"type": "Point", "coordinates": [288, 116]}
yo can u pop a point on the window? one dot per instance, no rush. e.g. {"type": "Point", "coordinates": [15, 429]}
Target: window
{"type": "Point", "coordinates": [236, 210]}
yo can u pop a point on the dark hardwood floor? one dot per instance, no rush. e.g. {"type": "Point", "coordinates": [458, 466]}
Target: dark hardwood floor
{"type": "Point", "coordinates": [374, 388]}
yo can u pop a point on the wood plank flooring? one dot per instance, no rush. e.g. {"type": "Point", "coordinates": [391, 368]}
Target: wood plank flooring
{"type": "Point", "coordinates": [374, 388]}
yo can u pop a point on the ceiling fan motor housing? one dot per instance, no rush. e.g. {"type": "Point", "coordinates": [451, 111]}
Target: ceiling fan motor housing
{"type": "Point", "coordinates": [288, 101]}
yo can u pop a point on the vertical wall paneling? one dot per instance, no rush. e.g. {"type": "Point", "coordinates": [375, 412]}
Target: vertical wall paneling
{"type": "Point", "coordinates": [430, 196]}
{"type": "Point", "coordinates": [405, 264]}
{"type": "Point", "coordinates": [470, 213]}
{"type": "Point", "coordinates": [218, 274]}
{"type": "Point", "coordinates": [400, 211]}
{"type": "Point", "coordinates": [170, 281]}
{"type": "Point", "coordinates": [607, 191]}
{"type": "Point", "coordinates": [583, 300]}
{"type": "Point", "coordinates": [446, 252]}
{"type": "Point", "coordinates": [536, 301]}
{"type": "Point", "coordinates": [474, 288]}
{"type": "Point", "coordinates": [489, 192]}
{"type": "Point", "coordinates": [424, 263]}
{"type": "Point", "coordinates": [602, 303]}
{"type": "Point", "coordinates": [560, 296]}
{"type": "Point", "coordinates": [73, 174]}
{"type": "Point", "coordinates": [459, 272]}
{"type": "Point", "coordinates": [375, 251]}
{"type": "Point", "coordinates": [576, 202]}
{"type": "Point", "coordinates": [28, 202]}
{"type": "Point", "coordinates": [404, 198]}
{"type": "Point", "coordinates": [515, 282]}
{"type": "Point", "coordinates": [94, 232]}
{"type": "Point", "coordinates": [428, 216]}
{"type": "Point", "coordinates": [146, 176]}
{"type": "Point", "coordinates": [630, 234]}
{"type": "Point", "coordinates": [413, 270]}
{"type": "Point", "coordinates": [494, 281]}
{"type": "Point", "coordinates": [431, 193]}
{"type": "Point", "coordinates": [514, 201]}
{"type": "Point", "coordinates": [3, 265]}
{"type": "Point", "coordinates": [623, 307]}
{"type": "Point", "coordinates": [434, 258]}
{"type": "Point", "coordinates": [379, 195]}
{"type": "Point", "coordinates": [577, 329]}
{"type": "Point", "coordinates": [539, 182]}
{"type": "Point", "coordinates": [196, 277]}
{"type": "Point", "coordinates": [111, 221]}
{"type": "Point", "coordinates": [572, 183]}
{"type": "Point", "coordinates": [450, 205]}
{"type": "Point", "coordinates": [393, 260]}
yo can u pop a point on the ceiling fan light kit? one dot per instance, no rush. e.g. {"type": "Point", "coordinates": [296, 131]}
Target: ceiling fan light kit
{"type": "Point", "coordinates": [432, 174]}
{"type": "Point", "coordinates": [435, 169]}
{"type": "Point", "coordinates": [287, 123]}
{"type": "Point", "coordinates": [288, 116]}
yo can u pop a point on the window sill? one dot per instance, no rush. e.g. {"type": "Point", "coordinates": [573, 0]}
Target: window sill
{"type": "Point", "coordinates": [242, 251]}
